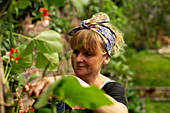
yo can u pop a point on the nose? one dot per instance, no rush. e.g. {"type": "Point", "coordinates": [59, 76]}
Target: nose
{"type": "Point", "coordinates": [79, 57]}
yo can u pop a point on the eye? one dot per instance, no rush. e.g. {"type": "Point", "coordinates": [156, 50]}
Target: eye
{"type": "Point", "coordinates": [76, 52]}
{"type": "Point", "coordinates": [88, 54]}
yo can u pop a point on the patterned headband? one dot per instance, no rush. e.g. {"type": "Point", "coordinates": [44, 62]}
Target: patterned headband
{"type": "Point", "coordinates": [95, 24]}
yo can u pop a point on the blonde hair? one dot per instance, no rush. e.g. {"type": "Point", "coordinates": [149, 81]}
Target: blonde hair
{"type": "Point", "coordinates": [89, 40]}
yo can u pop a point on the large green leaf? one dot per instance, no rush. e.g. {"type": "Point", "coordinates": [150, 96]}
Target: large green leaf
{"type": "Point", "coordinates": [49, 61]}
{"type": "Point", "coordinates": [70, 90]}
{"type": "Point", "coordinates": [74, 94]}
{"type": "Point", "coordinates": [25, 51]}
{"type": "Point", "coordinates": [48, 41]}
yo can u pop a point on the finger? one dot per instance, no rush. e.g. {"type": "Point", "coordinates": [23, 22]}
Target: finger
{"type": "Point", "coordinates": [37, 88]}
{"type": "Point", "coordinates": [21, 105]}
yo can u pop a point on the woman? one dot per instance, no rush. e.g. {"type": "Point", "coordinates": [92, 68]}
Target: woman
{"type": "Point", "coordinates": [92, 43]}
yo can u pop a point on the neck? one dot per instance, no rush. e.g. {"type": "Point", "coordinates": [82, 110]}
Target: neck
{"type": "Point", "coordinates": [97, 79]}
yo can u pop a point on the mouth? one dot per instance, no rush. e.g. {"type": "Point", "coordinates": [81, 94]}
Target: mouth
{"type": "Point", "coordinates": [80, 66]}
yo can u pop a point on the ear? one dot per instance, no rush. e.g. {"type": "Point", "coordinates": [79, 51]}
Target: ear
{"type": "Point", "coordinates": [106, 60]}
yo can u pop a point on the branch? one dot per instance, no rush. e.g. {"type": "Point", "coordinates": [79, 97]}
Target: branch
{"type": "Point", "coordinates": [3, 87]}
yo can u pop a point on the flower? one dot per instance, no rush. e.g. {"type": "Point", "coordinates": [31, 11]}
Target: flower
{"type": "Point", "coordinates": [44, 11]}
{"type": "Point", "coordinates": [12, 50]}
{"type": "Point", "coordinates": [47, 18]}
{"type": "Point", "coordinates": [2, 59]}
{"type": "Point", "coordinates": [31, 108]}
{"type": "Point", "coordinates": [17, 58]}
{"type": "Point", "coordinates": [11, 57]}
{"type": "Point", "coordinates": [16, 50]}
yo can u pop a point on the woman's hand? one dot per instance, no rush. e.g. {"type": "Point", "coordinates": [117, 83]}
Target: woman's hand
{"type": "Point", "coordinates": [37, 88]}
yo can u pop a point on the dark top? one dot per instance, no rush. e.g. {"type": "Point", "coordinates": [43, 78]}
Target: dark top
{"type": "Point", "coordinates": [115, 90]}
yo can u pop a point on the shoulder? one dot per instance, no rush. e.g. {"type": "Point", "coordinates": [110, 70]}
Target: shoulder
{"type": "Point", "coordinates": [115, 90]}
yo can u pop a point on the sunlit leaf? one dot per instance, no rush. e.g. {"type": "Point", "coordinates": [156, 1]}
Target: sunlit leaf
{"type": "Point", "coordinates": [48, 41]}
{"type": "Point", "coordinates": [49, 60]}
{"type": "Point", "coordinates": [70, 90]}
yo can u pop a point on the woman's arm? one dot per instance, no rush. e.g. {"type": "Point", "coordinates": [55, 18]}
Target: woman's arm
{"type": "Point", "coordinates": [117, 107]}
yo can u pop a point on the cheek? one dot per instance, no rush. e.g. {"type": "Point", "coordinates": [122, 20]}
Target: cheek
{"type": "Point", "coordinates": [73, 62]}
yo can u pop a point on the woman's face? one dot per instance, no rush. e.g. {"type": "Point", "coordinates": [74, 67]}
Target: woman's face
{"type": "Point", "coordinates": [85, 63]}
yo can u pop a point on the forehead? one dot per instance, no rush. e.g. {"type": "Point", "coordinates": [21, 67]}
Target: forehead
{"type": "Point", "coordinates": [87, 40]}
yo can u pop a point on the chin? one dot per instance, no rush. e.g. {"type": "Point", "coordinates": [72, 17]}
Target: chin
{"type": "Point", "coordinates": [79, 73]}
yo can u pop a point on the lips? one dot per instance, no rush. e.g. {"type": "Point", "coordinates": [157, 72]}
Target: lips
{"type": "Point", "coordinates": [80, 66]}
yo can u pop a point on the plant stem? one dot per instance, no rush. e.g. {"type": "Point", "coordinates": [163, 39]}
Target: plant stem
{"type": "Point", "coordinates": [10, 23]}
{"type": "Point", "coordinates": [6, 67]}
{"type": "Point", "coordinates": [8, 73]}
{"type": "Point", "coordinates": [53, 106]}
{"type": "Point", "coordinates": [28, 38]}
{"type": "Point", "coordinates": [20, 24]}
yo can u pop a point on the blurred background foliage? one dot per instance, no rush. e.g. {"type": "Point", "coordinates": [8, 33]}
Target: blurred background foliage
{"type": "Point", "coordinates": [145, 25]}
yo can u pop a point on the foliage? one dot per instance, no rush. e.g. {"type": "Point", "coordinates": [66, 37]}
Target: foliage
{"type": "Point", "coordinates": [149, 69]}
{"type": "Point", "coordinates": [148, 20]}
{"type": "Point", "coordinates": [154, 106]}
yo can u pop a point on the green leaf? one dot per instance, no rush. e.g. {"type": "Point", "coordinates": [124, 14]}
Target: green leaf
{"type": "Point", "coordinates": [25, 51]}
{"type": "Point", "coordinates": [54, 2]}
{"type": "Point", "coordinates": [45, 59]}
{"type": "Point", "coordinates": [70, 90]}
{"type": "Point", "coordinates": [34, 76]}
{"type": "Point", "coordinates": [23, 4]}
{"type": "Point", "coordinates": [22, 79]}
{"type": "Point", "coordinates": [49, 42]}
{"type": "Point", "coordinates": [44, 110]}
